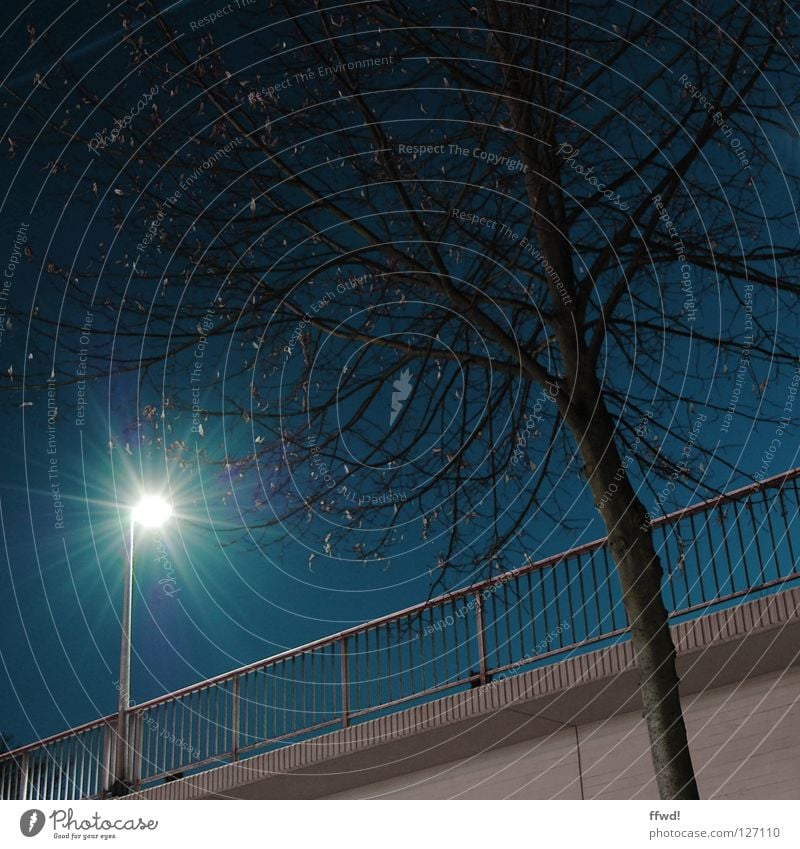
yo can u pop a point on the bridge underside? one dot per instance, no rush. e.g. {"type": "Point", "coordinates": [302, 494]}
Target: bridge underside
{"type": "Point", "coordinates": [569, 730]}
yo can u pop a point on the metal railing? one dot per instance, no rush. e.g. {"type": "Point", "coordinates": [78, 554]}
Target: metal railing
{"type": "Point", "coordinates": [717, 552]}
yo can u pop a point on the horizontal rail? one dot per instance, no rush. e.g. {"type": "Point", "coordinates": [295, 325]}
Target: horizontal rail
{"type": "Point", "coordinates": [714, 552]}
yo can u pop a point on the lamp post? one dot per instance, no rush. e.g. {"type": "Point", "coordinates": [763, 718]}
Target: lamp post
{"type": "Point", "coordinates": [151, 512]}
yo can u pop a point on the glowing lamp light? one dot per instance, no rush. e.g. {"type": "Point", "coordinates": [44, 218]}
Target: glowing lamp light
{"type": "Point", "coordinates": [152, 511]}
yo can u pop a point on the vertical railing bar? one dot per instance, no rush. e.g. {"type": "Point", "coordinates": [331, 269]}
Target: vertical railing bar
{"type": "Point", "coordinates": [669, 574]}
{"type": "Point", "coordinates": [206, 719]}
{"type": "Point", "coordinates": [51, 762]}
{"type": "Point", "coordinates": [102, 778]}
{"type": "Point", "coordinates": [67, 769]}
{"type": "Point", "coordinates": [89, 748]}
{"type": "Point", "coordinates": [345, 681]}
{"type": "Point", "coordinates": [265, 700]}
{"type": "Point", "coordinates": [154, 736]}
{"type": "Point", "coordinates": [456, 641]}
{"type": "Point", "coordinates": [97, 774]}
{"type": "Point", "coordinates": [182, 739]}
{"type": "Point", "coordinates": [173, 709]}
{"type": "Point", "coordinates": [559, 618]}
{"type": "Point", "coordinates": [768, 509]}
{"type": "Point", "coordinates": [60, 768]}
{"type": "Point", "coordinates": [610, 571]}
{"type": "Point", "coordinates": [738, 524]}
{"type": "Point", "coordinates": [136, 755]}
{"type": "Point", "coordinates": [155, 765]}
{"type": "Point", "coordinates": [724, 530]}
{"type": "Point", "coordinates": [235, 712]}
{"type": "Point", "coordinates": [582, 598]}
{"type": "Point", "coordinates": [313, 681]}
{"type": "Point", "coordinates": [421, 643]}
{"type": "Point", "coordinates": [323, 716]}
{"type": "Point", "coordinates": [214, 695]}
{"type": "Point", "coordinates": [479, 628]}
{"type": "Point", "coordinates": [360, 700]}
{"type": "Point", "coordinates": [594, 589]}
{"type": "Point", "coordinates": [533, 612]}
{"type": "Point", "coordinates": [270, 702]}
{"type": "Point", "coordinates": [72, 773]}
{"type": "Point", "coordinates": [77, 748]}
{"type": "Point", "coordinates": [712, 553]}
{"type": "Point", "coordinates": [786, 526]}
{"type": "Point", "coordinates": [467, 634]}
{"type": "Point", "coordinates": [71, 768]}
{"type": "Point", "coordinates": [563, 598]}
{"type": "Point", "coordinates": [400, 663]}
{"type": "Point", "coordinates": [186, 729]}
{"type": "Point", "coordinates": [82, 774]}
{"type": "Point", "coordinates": [164, 711]}
{"type": "Point", "coordinates": [497, 661]}
{"type": "Point", "coordinates": [700, 568]}
{"type": "Point", "coordinates": [40, 774]}
{"type": "Point", "coordinates": [444, 632]}
{"type": "Point", "coordinates": [274, 682]}
{"type": "Point", "coordinates": [684, 560]}
{"type": "Point", "coordinates": [379, 665]}
{"type": "Point", "coordinates": [751, 512]}
{"type": "Point", "coordinates": [302, 699]}
{"type": "Point", "coordinates": [411, 665]}
{"type": "Point", "coordinates": [24, 778]}
{"type": "Point", "coordinates": [37, 774]}
{"type": "Point", "coordinates": [334, 681]}
{"type": "Point", "coordinates": [389, 675]}
{"type": "Point", "coordinates": [216, 690]}
{"type": "Point", "coordinates": [62, 779]}
{"type": "Point", "coordinates": [284, 722]}
{"type": "Point", "coordinates": [361, 648]}
{"type": "Point", "coordinates": [146, 741]}
{"type": "Point", "coordinates": [330, 704]}
{"type": "Point", "coordinates": [55, 772]}
{"type": "Point", "coordinates": [545, 604]}
{"type": "Point", "coordinates": [226, 725]}
{"type": "Point", "coordinates": [507, 614]}
{"type": "Point", "coordinates": [248, 713]}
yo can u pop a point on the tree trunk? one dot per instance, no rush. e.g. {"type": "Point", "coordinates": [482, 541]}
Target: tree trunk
{"type": "Point", "coordinates": [639, 570]}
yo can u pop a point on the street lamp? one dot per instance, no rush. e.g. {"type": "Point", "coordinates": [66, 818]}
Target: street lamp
{"type": "Point", "coordinates": [151, 512]}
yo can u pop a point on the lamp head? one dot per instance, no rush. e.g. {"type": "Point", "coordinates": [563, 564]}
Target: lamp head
{"type": "Point", "coordinates": [152, 511]}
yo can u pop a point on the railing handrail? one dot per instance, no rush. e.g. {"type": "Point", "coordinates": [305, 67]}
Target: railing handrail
{"type": "Point", "coordinates": [54, 738]}
{"type": "Point", "coordinates": [452, 595]}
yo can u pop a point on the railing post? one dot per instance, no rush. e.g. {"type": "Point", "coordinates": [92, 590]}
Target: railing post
{"type": "Point", "coordinates": [481, 641]}
{"type": "Point", "coordinates": [135, 757]}
{"type": "Point", "coordinates": [108, 765]}
{"type": "Point", "coordinates": [235, 719]}
{"type": "Point", "coordinates": [345, 683]}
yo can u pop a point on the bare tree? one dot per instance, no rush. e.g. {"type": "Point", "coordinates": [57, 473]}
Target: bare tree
{"type": "Point", "coordinates": [538, 228]}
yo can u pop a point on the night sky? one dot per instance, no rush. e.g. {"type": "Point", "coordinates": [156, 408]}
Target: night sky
{"type": "Point", "coordinates": [228, 581]}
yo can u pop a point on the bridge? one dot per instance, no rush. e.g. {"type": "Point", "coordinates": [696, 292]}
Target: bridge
{"type": "Point", "coordinates": [540, 653]}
